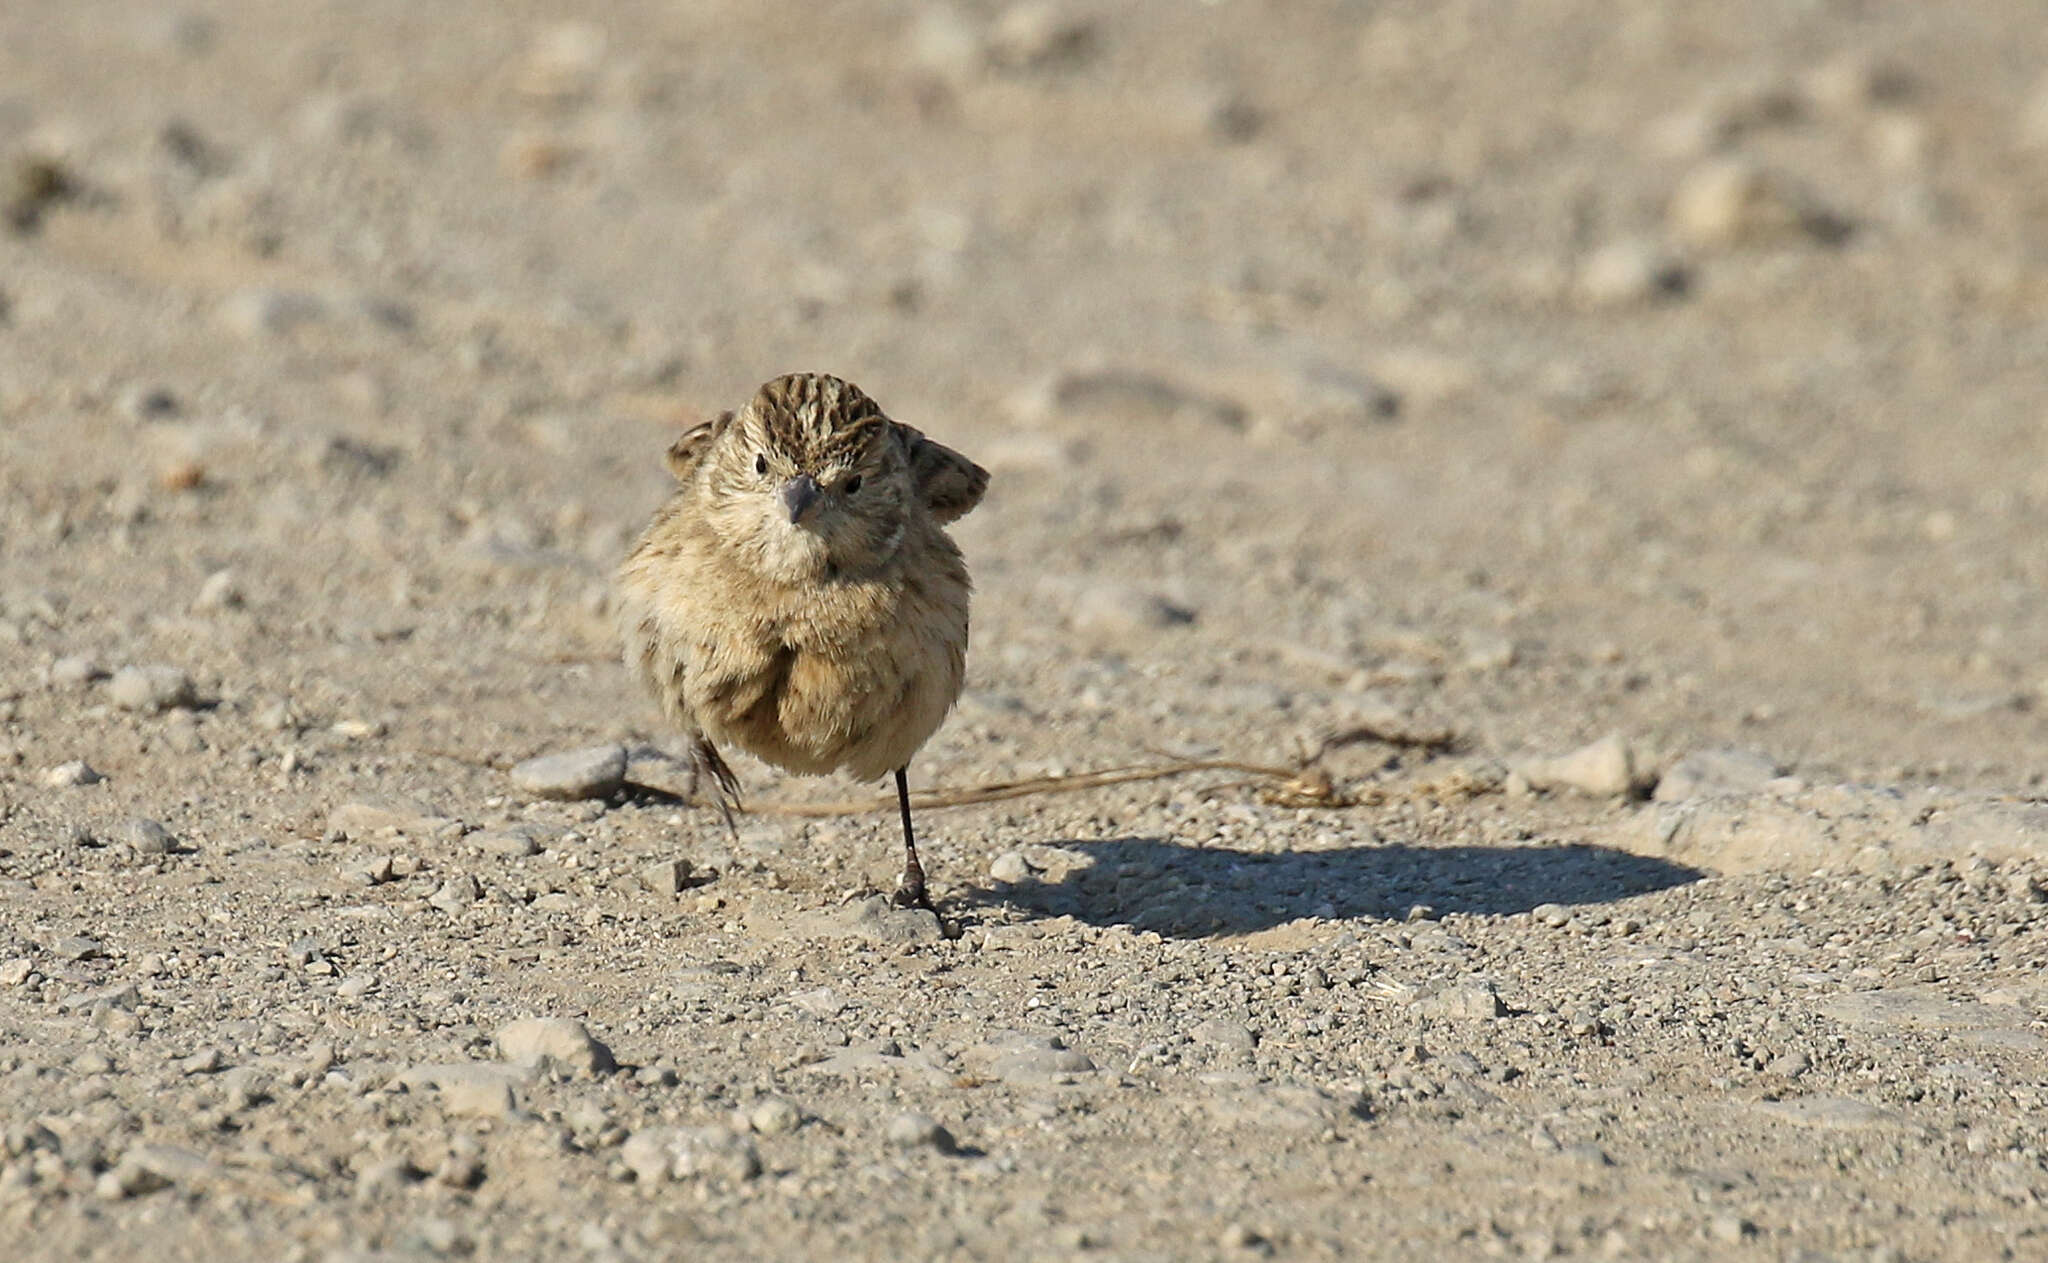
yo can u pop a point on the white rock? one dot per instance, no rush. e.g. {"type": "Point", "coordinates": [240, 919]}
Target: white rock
{"type": "Point", "coordinates": [146, 836]}
{"type": "Point", "coordinates": [1709, 773]}
{"type": "Point", "coordinates": [150, 689]}
{"type": "Point", "coordinates": [657, 1154]}
{"type": "Point", "coordinates": [563, 1039]}
{"type": "Point", "coordinates": [912, 1130]}
{"type": "Point", "coordinates": [1606, 768]}
{"type": "Point", "coordinates": [588, 773]}
{"type": "Point", "coordinates": [68, 775]}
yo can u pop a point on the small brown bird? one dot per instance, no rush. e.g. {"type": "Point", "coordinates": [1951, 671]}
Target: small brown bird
{"type": "Point", "coordinates": [798, 596]}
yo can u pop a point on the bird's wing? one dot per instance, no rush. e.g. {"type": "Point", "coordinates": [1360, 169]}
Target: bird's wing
{"type": "Point", "coordinates": [949, 482]}
{"type": "Point", "coordinates": [686, 451]}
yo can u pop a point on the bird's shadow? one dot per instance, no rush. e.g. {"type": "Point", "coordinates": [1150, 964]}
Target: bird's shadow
{"type": "Point", "coordinates": [1185, 891]}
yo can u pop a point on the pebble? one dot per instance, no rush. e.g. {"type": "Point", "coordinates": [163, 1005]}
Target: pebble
{"type": "Point", "coordinates": [78, 947]}
{"type": "Point", "coordinates": [1117, 611]}
{"type": "Point", "coordinates": [1730, 1229]}
{"type": "Point", "coordinates": [658, 1154]}
{"type": "Point", "coordinates": [456, 895]}
{"type": "Point", "coordinates": [150, 689]}
{"type": "Point", "coordinates": [1604, 769]}
{"type": "Point", "coordinates": [148, 403]}
{"type": "Point", "coordinates": [1223, 1033]}
{"type": "Point", "coordinates": [774, 1115]}
{"type": "Point", "coordinates": [912, 1130]}
{"type": "Point", "coordinates": [1037, 35]}
{"type": "Point", "coordinates": [478, 1098]}
{"type": "Point", "coordinates": [145, 836]}
{"type": "Point", "coordinates": [1019, 1057]}
{"type": "Point", "coordinates": [205, 1061]}
{"type": "Point", "coordinates": [1731, 202]}
{"type": "Point", "coordinates": [1630, 272]}
{"type": "Point", "coordinates": [74, 671]}
{"type": "Point", "coordinates": [146, 1167]}
{"type": "Point", "coordinates": [16, 971]}
{"type": "Point", "coordinates": [1713, 773]}
{"type": "Point", "coordinates": [374, 871]}
{"type": "Point", "coordinates": [665, 877]}
{"type": "Point", "coordinates": [875, 920]}
{"type": "Point", "coordinates": [70, 775]}
{"type": "Point", "coordinates": [219, 592]}
{"type": "Point", "coordinates": [563, 1039]}
{"type": "Point", "coordinates": [1838, 1113]}
{"type": "Point", "coordinates": [516, 842]}
{"type": "Point", "coordinates": [1011, 867]}
{"type": "Point", "coordinates": [1472, 999]}
{"type": "Point", "coordinates": [1789, 1065]}
{"type": "Point", "coordinates": [595, 772]}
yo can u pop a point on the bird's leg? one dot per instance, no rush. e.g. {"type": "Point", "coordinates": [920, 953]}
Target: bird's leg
{"type": "Point", "coordinates": [910, 893]}
{"type": "Point", "coordinates": [725, 787]}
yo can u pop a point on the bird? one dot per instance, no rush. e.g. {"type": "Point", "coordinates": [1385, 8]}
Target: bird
{"type": "Point", "coordinates": [797, 596]}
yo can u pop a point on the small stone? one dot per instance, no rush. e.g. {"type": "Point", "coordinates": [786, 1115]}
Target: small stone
{"type": "Point", "coordinates": [1011, 867]}
{"type": "Point", "coordinates": [563, 1039]}
{"type": "Point", "coordinates": [1714, 773]}
{"type": "Point", "coordinates": [70, 775]}
{"type": "Point", "coordinates": [1625, 273]}
{"type": "Point", "coordinates": [912, 1130]}
{"type": "Point", "coordinates": [145, 836]}
{"type": "Point", "coordinates": [658, 1154]}
{"type": "Point", "coordinates": [877, 921]}
{"type": "Point", "coordinates": [374, 871]}
{"type": "Point", "coordinates": [16, 971]}
{"type": "Point", "coordinates": [78, 947]}
{"type": "Point", "coordinates": [74, 671]}
{"type": "Point", "coordinates": [245, 1087]}
{"type": "Point", "coordinates": [150, 689]}
{"type": "Point", "coordinates": [1037, 35]}
{"type": "Point", "coordinates": [655, 1077]}
{"type": "Point", "coordinates": [774, 1115]}
{"type": "Point", "coordinates": [1729, 202]}
{"type": "Point", "coordinates": [665, 877]}
{"type": "Point", "coordinates": [362, 819]}
{"type": "Point", "coordinates": [1730, 1228]}
{"type": "Point", "coordinates": [375, 1182]}
{"type": "Point", "coordinates": [1225, 1034]}
{"type": "Point", "coordinates": [1553, 915]}
{"type": "Point", "coordinates": [456, 895]}
{"type": "Point", "coordinates": [147, 1167]}
{"type": "Point", "coordinates": [205, 1061]}
{"type": "Point", "coordinates": [1239, 1237]}
{"type": "Point", "coordinates": [148, 403]}
{"type": "Point", "coordinates": [1114, 611]}
{"type": "Point", "coordinates": [1604, 769]}
{"type": "Point", "coordinates": [219, 592]}
{"type": "Point", "coordinates": [595, 772]}
{"type": "Point", "coordinates": [356, 986]}
{"type": "Point", "coordinates": [478, 1098]}
{"type": "Point", "coordinates": [1789, 1065]}
{"type": "Point", "coordinates": [1473, 999]}
{"type": "Point", "coordinates": [517, 842]}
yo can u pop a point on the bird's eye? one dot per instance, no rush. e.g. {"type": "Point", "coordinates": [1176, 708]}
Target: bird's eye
{"type": "Point", "coordinates": [761, 463]}
{"type": "Point", "coordinates": [853, 484]}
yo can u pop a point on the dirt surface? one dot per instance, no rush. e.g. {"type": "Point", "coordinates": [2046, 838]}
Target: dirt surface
{"type": "Point", "coordinates": [1504, 413]}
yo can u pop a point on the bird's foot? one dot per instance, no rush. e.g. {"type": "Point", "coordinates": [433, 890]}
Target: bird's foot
{"type": "Point", "coordinates": [912, 895]}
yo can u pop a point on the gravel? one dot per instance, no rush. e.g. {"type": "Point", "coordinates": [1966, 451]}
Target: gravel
{"type": "Point", "coordinates": [1568, 491]}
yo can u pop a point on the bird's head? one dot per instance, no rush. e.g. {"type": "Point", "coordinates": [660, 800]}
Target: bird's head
{"type": "Point", "coordinates": [810, 481]}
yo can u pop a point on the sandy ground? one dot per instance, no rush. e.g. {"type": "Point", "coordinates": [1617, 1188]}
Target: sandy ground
{"type": "Point", "coordinates": [1601, 444]}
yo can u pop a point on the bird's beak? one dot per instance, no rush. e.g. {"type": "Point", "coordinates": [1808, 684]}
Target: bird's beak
{"type": "Point", "coordinates": [798, 495]}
